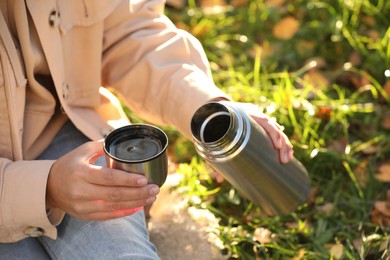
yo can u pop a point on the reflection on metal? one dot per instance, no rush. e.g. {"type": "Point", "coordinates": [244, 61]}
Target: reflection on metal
{"type": "Point", "coordinates": [239, 148]}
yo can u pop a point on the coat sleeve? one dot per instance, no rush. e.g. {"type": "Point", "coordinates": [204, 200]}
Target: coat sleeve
{"type": "Point", "coordinates": [23, 210]}
{"type": "Point", "coordinates": [161, 71]}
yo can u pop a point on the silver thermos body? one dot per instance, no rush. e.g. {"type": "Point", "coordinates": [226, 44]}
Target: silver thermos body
{"type": "Point", "coordinates": [240, 149]}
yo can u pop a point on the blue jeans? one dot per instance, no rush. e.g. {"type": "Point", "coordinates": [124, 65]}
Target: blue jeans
{"type": "Point", "coordinates": [123, 238]}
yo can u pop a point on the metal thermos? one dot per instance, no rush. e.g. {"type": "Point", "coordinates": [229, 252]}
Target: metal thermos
{"type": "Point", "coordinates": [240, 149]}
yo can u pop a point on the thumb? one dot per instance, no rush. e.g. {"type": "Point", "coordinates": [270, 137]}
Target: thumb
{"type": "Point", "coordinates": [93, 150]}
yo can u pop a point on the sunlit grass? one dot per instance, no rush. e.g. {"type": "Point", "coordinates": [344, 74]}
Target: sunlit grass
{"type": "Point", "coordinates": [325, 85]}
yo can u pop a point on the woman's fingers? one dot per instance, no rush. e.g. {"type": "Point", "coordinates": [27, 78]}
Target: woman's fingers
{"type": "Point", "coordinates": [275, 131]}
{"type": "Point", "coordinates": [83, 209]}
{"type": "Point", "coordinates": [286, 151]}
{"type": "Point", "coordinates": [97, 216]}
{"type": "Point", "coordinates": [114, 193]}
{"type": "Point", "coordinates": [272, 128]}
{"type": "Point", "coordinates": [104, 175]}
{"type": "Point", "coordinates": [87, 191]}
{"type": "Point", "coordinates": [278, 137]}
{"type": "Point", "coordinates": [112, 177]}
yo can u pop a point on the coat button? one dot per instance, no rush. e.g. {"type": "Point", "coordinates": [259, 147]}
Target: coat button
{"type": "Point", "coordinates": [62, 110]}
{"type": "Point", "coordinates": [65, 90]}
{"type": "Point", "coordinates": [34, 231]}
{"type": "Point", "coordinates": [54, 18]}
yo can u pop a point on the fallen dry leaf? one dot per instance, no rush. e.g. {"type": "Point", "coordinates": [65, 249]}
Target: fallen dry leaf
{"type": "Point", "coordinates": [316, 79]}
{"type": "Point", "coordinates": [355, 58]}
{"type": "Point", "coordinates": [274, 3]}
{"type": "Point", "coordinates": [178, 4]}
{"type": "Point", "coordinates": [313, 193]}
{"type": "Point", "coordinates": [384, 245]}
{"type": "Point", "coordinates": [380, 213]}
{"type": "Point", "coordinates": [337, 251]}
{"type": "Point", "coordinates": [383, 173]}
{"type": "Point", "coordinates": [361, 173]}
{"type": "Point", "coordinates": [338, 145]}
{"type": "Point", "coordinates": [263, 235]}
{"type": "Point", "coordinates": [379, 219]}
{"type": "Point", "coordinates": [386, 122]}
{"type": "Point", "coordinates": [359, 81]}
{"type": "Point", "coordinates": [386, 87]}
{"type": "Point", "coordinates": [211, 3]}
{"type": "Point", "coordinates": [374, 35]}
{"type": "Point", "coordinates": [326, 208]}
{"type": "Point", "coordinates": [372, 149]}
{"type": "Point", "coordinates": [238, 3]}
{"type": "Point", "coordinates": [286, 28]}
{"type": "Point", "coordinates": [358, 244]}
{"type": "Point", "coordinates": [368, 20]}
{"type": "Point", "coordinates": [324, 113]}
{"type": "Point", "coordinates": [383, 207]}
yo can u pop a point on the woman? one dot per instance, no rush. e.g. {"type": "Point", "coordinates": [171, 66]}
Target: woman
{"type": "Point", "coordinates": [59, 58]}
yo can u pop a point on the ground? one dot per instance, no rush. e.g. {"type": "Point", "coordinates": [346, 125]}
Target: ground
{"type": "Point", "coordinates": [180, 232]}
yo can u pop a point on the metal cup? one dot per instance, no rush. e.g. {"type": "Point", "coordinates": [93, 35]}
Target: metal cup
{"type": "Point", "coordinates": [138, 148]}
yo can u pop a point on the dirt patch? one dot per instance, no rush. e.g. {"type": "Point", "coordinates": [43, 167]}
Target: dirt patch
{"type": "Point", "coordinates": [180, 232]}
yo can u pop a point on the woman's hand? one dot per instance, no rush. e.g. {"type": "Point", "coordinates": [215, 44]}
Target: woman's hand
{"type": "Point", "coordinates": [274, 130]}
{"type": "Point", "coordinates": [91, 192]}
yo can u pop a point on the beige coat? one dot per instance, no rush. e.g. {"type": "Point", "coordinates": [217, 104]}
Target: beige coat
{"type": "Point", "coordinates": [161, 72]}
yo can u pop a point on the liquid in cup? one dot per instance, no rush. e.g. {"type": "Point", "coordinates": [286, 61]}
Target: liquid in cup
{"type": "Point", "coordinates": [135, 149]}
{"type": "Point", "coordinates": [138, 148]}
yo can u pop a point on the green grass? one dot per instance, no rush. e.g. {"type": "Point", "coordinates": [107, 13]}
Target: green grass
{"type": "Point", "coordinates": [325, 85]}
